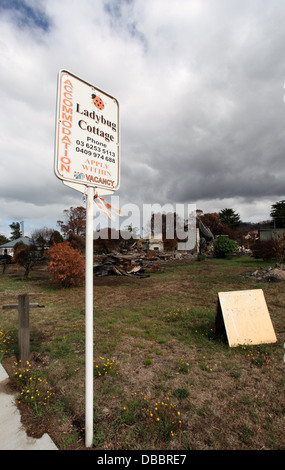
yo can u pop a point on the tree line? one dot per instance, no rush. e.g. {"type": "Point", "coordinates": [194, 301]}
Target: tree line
{"type": "Point", "coordinates": [68, 243]}
{"type": "Point", "coordinates": [73, 225]}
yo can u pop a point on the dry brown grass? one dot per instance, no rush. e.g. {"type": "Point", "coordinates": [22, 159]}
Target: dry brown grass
{"type": "Point", "coordinates": [228, 398]}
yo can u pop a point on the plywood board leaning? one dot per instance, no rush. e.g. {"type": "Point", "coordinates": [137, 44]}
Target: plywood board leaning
{"type": "Point", "coordinates": [245, 318]}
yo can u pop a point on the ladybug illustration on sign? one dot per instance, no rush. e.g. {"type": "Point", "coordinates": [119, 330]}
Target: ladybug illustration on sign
{"type": "Point", "coordinates": [98, 102]}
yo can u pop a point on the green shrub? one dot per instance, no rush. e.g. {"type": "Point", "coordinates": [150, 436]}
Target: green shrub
{"type": "Point", "coordinates": [224, 247]}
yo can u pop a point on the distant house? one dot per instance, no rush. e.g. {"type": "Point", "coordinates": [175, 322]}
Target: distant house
{"type": "Point", "coordinates": [270, 233]}
{"type": "Point", "coordinates": [8, 248]}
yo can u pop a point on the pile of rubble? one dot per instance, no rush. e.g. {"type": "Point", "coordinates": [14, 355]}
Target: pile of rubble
{"type": "Point", "coordinates": [133, 263]}
{"type": "Point", "coordinates": [271, 274]}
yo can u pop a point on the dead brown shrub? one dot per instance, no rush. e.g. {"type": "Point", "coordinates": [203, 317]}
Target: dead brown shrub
{"type": "Point", "coordinates": [270, 249]}
{"type": "Point", "coordinates": [66, 265]}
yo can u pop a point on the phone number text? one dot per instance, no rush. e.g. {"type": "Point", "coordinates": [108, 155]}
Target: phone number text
{"type": "Point", "coordinates": [94, 151]}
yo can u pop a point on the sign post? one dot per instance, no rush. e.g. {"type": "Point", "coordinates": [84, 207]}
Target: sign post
{"type": "Point", "coordinates": [89, 319]}
{"type": "Point", "coordinates": [87, 160]}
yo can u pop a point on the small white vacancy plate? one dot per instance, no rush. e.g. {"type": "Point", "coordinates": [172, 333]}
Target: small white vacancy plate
{"type": "Point", "coordinates": [246, 317]}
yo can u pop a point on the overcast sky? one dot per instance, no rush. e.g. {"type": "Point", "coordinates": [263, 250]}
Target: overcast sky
{"type": "Point", "coordinates": [200, 84]}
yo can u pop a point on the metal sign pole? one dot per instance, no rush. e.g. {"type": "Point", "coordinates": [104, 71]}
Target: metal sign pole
{"type": "Point", "coordinates": [89, 319]}
{"type": "Point", "coordinates": [73, 140]}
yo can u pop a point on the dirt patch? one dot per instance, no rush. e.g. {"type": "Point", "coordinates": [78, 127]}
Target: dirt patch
{"type": "Point", "coordinates": [6, 387]}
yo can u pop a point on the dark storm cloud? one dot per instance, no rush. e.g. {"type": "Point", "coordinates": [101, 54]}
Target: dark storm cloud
{"type": "Point", "coordinates": [25, 15]}
{"type": "Point", "coordinates": [201, 93]}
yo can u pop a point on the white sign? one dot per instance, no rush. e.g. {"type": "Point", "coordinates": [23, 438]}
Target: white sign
{"type": "Point", "coordinates": [245, 317]}
{"type": "Point", "coordinates": [87, 134]}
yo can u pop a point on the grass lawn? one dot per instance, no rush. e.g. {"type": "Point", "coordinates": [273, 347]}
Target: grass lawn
{"type": "Point", "coordinates": [162, 379]}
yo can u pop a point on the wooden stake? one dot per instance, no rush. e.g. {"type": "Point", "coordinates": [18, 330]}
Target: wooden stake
{"type": "Point", "coordinates": [23, 307]}
{"type": "Point", "coordinates": [24, 327]}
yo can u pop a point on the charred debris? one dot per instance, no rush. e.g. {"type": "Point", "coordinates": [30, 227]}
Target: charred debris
{"type": "Point", "coordinates": [134, 262]}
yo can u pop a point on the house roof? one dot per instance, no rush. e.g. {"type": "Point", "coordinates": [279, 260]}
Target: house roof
{"type": "Point", "coordinates": [12, 243]}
